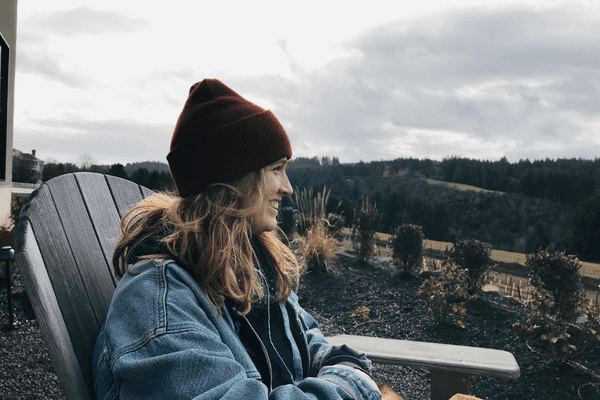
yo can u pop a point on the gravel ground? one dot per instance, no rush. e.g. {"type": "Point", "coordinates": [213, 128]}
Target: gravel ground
{"type": "Point", "coordinates": [392, 300]}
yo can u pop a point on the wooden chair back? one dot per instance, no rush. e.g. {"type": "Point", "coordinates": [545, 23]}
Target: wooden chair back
{"type": "Point", "coordinates": [65, 239]}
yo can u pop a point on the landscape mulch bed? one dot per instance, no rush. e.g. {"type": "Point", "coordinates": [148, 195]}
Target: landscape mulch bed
{"type": "Point", "coordinates": [396, 312]}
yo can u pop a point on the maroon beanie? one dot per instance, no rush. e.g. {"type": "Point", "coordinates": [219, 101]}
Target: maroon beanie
{"type": "Point", "coordinates": [220, 136]}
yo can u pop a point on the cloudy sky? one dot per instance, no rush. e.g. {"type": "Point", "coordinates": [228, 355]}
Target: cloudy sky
{"type": "Point", "coordinates": [377, 80]}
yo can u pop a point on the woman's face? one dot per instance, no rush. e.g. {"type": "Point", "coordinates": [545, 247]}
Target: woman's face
{"type": "Point", "coordinates": [277, 185]}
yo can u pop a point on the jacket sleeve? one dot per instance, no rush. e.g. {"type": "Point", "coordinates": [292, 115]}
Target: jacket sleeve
{"type": "Point", "coordinates": [322, 353]}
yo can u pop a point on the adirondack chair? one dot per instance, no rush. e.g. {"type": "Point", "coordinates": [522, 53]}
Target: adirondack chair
{"type": "Point", "coordinates": [65, 238]}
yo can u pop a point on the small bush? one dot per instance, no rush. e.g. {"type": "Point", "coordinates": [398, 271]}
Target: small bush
{"type": "Point", "coordinates": [407, 247]}
{"type": "Point", "coordinates": [363, 230]}
{"type": "Point", "coordinates": [592, 313]}
{"type": "Point", "coordinates": [472, 256]}
{"type": "Point", "coordinates": [7, 237]}
{"type": "Point", "coordinates": [7, 233]}
{"type": "Point", "coordinates": [363, 315]}
{"type": "Point", "coordinates": [447, 294]}
{"type": "Point", "coordinates": [558, 296]}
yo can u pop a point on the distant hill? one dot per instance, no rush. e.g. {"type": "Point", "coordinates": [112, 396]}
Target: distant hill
{"type": "Point", "coordinates": [149, 165]}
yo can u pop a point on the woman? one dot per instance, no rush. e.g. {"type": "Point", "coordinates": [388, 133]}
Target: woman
{"type": "Point", "coordinates": [205, 307]}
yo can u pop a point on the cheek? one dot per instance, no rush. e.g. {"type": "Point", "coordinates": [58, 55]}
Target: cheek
{"type": "Point", "coordinates": [272, 184]}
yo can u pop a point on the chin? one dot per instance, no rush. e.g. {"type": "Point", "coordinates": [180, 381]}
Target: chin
{"type": "Point", "coordinates": [270, 228]}
{"type": "Point", "coordinates": [264, 227]}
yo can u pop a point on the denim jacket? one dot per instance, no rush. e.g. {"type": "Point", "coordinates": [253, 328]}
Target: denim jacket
{"type": "Point", "coordinates": [162, 339]}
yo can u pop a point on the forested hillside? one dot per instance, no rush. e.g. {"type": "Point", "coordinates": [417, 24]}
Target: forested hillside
{"type": "Point", "coordinates": [533, 205]}
{"type": "Point", "coordinates": [527, 205]}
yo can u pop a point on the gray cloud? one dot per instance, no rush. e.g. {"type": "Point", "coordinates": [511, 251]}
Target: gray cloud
{"type": "Point", "coordinates": [39, 57]}
{"type": "Point", "coordinates": [42, 62]}
{"type": "Point", "coordinates": [519, 83]}
{"type": "Point", "coordinates": [84, 21]}
{"type": "Point", "coordinates": [510, 81]}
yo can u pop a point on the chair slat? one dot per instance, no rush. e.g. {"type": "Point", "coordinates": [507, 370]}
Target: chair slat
{"type": "Point", "coordinates": [44, 302]}
{"type": "Point", "coordinates": [103, 213]}
{"type": "Point", "coordinates": [126, 193]}
{"type": "Point", "coordinates": [64, 275]}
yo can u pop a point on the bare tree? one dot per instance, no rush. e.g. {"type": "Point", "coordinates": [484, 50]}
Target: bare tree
{"type": "Point", "coordinates": [85, 161]}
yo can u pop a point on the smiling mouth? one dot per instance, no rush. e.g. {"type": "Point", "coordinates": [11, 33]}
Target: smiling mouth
{"type": "Point", "coordinates": [274, 205]}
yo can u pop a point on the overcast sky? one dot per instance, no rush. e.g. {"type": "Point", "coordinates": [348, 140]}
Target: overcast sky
{"type": "Point", "coordinates": [376, 80]}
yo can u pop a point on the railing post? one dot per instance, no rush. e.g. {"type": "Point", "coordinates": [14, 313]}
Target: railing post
{"type": "Point", "coordinates": [445, 384]}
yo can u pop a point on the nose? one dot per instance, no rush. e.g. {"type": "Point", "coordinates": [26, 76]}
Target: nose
{"type": "Point", "coordinates": [285, 187]}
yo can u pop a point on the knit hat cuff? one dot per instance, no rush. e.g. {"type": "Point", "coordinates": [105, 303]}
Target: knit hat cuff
{"type": "Point", "coordinates": [229, 152]}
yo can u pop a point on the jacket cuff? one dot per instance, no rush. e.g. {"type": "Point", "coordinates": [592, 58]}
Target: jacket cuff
{"type": "Point", "coordinates": [351, 382]}
{"type": "Point", "coordinates": [335, 355]}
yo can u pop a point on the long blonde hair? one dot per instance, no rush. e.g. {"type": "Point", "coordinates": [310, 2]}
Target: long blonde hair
{"type": "Point", "coordinates": [209, 234]}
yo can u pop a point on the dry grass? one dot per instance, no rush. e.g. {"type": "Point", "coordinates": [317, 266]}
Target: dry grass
{"type": "Point", "coordinates": [318, 248]}
{"type": "Point", "coordinates": [311, 208]}
{"type": "Point", "coordinates": [317, 245]}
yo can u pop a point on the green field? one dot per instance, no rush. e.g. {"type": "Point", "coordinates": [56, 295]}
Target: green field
{"type": "Point", "coordinates": [458, 186]}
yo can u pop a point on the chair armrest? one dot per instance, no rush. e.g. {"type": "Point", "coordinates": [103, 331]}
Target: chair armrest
{"type": "Point", "coordinates": [436, 356]}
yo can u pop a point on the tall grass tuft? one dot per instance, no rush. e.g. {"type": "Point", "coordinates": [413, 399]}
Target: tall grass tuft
{"type": "Point", "coordinates": [311, 208]}
{"type": "Point", "coordinates": [317, 245]}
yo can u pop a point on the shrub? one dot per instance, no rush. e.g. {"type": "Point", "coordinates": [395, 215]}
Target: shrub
{"type": "Point", "coordinates": [407, 247]}
{"type": "Point", "coordinates": [363, 230]}
{"type": "Point", "coordinates": [7, 236]}
{"type": "Point", "coordinates": [7, 233]}
{"type": "Point", "coordinates": [363, 315]}
{"type": "Point", "coordinates": [592, 313]}
{"type": "Point", "coordinates": [447, 294]}
{"type": "Point", "coordinates": [472, 256]}
{"type": "Point", "coordinates": [558, 297]}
